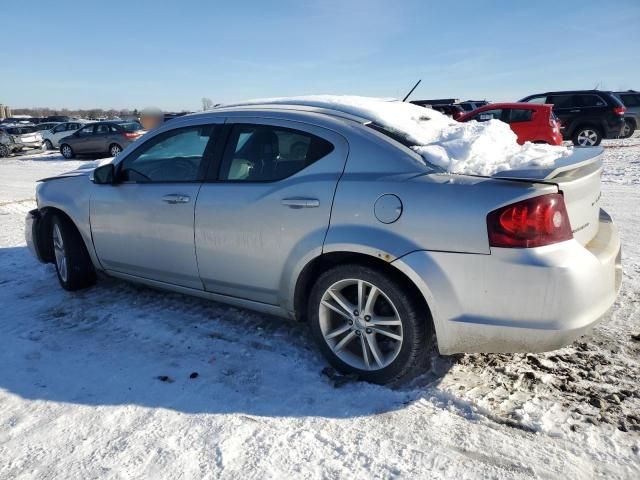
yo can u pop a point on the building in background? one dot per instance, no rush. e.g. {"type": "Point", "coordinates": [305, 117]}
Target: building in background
{"type": "Point", "coordinates": [5, 111]}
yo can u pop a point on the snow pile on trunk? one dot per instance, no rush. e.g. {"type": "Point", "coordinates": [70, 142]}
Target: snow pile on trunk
{"type": "Point", "coordinates": [470, 148]}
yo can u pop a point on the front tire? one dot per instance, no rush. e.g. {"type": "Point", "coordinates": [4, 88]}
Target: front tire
{"type": "Point", "coordinates": [73, 264]}
{"type": "Point", "coordinates": [66, 151]}
{"type": "Point", "coordinates": [628, 129]}
{"type": "Point", "coordinates": [4, 151]}
{"type": "Point", "coordinates": [587, 137]}
{"type": "Point", "coordinates": [48, 145]}
{"type": "Point", "coordinates": [366, 324]}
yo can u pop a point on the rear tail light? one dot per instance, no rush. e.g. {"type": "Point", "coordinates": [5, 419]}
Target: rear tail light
{"type": "Point", "coordinates": [534, 222]}
{"type": "Point", "coordinates": [132, 135]}
{"type": "Point", "coordinates": [619, 110]}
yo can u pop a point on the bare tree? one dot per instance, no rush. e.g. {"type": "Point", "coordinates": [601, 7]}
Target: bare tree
{"type": "Point", "coordinates": [207, 103]}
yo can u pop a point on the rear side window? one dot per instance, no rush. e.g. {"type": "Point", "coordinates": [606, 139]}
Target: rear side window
{"type": "Point", "coordinates": [264, 153]}
{"type": "Point", "coordinates": [102, 129]}
{"type": "Point", "coordinates": [519, 115]}
{"type": "Point", "coordinates": [630, 100]}
{"type": "Point", "coordinates": [589, 100]}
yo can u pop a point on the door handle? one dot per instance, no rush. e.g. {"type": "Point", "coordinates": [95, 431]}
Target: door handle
{"type": "Point", "coordinates": [174, 198]}
{"type": "Point", "coordinates": [300, 202]}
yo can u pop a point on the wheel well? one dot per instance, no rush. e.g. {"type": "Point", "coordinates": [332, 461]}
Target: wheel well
{"type": "Point", "coordinates": [324, 262]}
{"type": "Point", "coordinates": [632, 121]}
{"type": "Point", "coordinates": [45, 242]}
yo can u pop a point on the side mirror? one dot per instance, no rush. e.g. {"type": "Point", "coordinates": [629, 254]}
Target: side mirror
{"type": "Point", "coordinates": [104, 175]}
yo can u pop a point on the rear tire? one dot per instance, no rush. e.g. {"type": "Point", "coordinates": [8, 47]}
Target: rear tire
{"type": "Point", "coordinates": [66, 151]}
{"type": "Point", "coordinates": [628, 129]}
{"type": "Point", "coordinates": [587, 137]}
{"type": "Point", "coordinates": [73, 264]}
{"type": "Point", "coordinates": [114, 149]}
{"type": "Point", "coordinates": [353, 340]}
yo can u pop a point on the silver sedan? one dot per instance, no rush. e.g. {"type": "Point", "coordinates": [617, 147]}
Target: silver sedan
{"type": "Point", "coordinates": [328, 217]}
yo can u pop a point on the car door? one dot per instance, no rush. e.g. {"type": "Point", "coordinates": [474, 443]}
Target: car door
{"type": "Point", "coordinates": [267, 206]}
{"type": "Point", "coordinates": [143, 224]}
{"type": "Point", "coordinates": [97, 142]}
{"type": "Point", "coordinates": [82, 139]}
{"type": "Point", "coordinates": [521, 122]}
{"type": "Point", "coordinates": [58, 133]}
{"type": "Point", "coordinates": [567, 110]}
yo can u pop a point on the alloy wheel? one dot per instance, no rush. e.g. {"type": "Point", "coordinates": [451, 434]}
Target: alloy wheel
{"type": "Point", "coordinates": [58, 250]}
{"type": "Point", "coordinates": [115, 150]}
{"type": "Point", "coordinates": [360, 324]}
{"type": "Point", "coordinates": [66, 151]}
{"type": "Point", "coordinates": [587, 138]}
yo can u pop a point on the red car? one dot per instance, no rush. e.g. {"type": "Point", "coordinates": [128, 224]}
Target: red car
{"type": "Point", "coordinates": [530, 122]}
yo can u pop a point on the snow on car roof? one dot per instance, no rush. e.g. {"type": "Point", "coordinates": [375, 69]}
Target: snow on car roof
{"type": "Point", "coordinates": [470, 148]}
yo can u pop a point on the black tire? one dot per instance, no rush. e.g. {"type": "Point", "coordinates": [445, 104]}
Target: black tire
{"type": "Point", "coordinates": [628, 129]}
{"type": "Point", "coordinates": [48, 145]}
{"type": "Point", "coordinates": [113, 147]}
{"type": "Point", "coordinates": [78, 272]}
{"type": "Point", "coordinates": [417, 341]}
{"type": "Point", "coordinates": [4, 151]}
{"type": "Point", "coordinates": [592, 133]}
{"type": "Point", "coordinates": [66, 151]}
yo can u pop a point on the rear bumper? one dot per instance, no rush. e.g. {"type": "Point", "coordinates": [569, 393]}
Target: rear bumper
{"type": "Point", "coordinates": [519, 300]}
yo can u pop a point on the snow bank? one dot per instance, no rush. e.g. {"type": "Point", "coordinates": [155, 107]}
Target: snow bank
{"type": "Point", "coordinates": [472, 147]}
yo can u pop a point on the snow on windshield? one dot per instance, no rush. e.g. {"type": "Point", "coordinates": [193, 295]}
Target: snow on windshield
{"type": "Point", "coordinates": [471, 148]}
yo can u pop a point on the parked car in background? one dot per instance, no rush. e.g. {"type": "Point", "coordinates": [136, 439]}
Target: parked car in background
{"type": "Point", "coordinates": [631, 101]}
{"type": "Point", "coordinates": [52, 137]}
{"type": "Point", "coordinates": [58, 118]}
{"type": "Point", "coordinates": [586, 116]}
{"type": "Point", "coordinates": [101, 138]}
{"type": "Point", "coordinates": [317, 212]}
{"type": "Point", "coordinates": [20, 120]}
{"type": "Point", "coordinates": [7, 144]}
{"type": "Point", "coordinates": [46, 126]}
{"type": "Point", "coordinates": [471, 105]}
{"type": "Point", "coordinates": [530, 122]}
{"type": "Point", "coordinates": [453, 111]}
{"type": "Point", "coordinates": [25, 137]}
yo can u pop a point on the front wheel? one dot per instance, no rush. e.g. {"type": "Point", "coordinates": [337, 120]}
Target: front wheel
{"type": "Point", "coordinates": [366, 324]}
{"type": "Point", "coordinates": [73, 264]}
{"type": "Point", "coordinates": [4, 151]}
{"type": "Point", "coordinates": [67, 151]}
{"type": "Point", "coordinates": [48, 145]}
{"type": "Point", "coordinates": [587, 137]}
{"type": "Point", "coordinates": [628, 129]}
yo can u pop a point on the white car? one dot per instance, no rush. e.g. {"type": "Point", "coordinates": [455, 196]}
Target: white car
{"type": "Point", "coordinates": [52, 137]}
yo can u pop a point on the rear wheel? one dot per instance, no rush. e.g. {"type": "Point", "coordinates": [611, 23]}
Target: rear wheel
{"type": "Point", "coordinates": [48, 145]}
{"type": "Point", "coordinates": [587, 137]}
{"type": "Point", "coordinates": [73, 264]}
{"type": "Point", "coordinates": [367, 324]}
{"type": "Point", "coordinates": [628, 129]}
{"type": "Point", "coordinates": [114, 149]}
{"type": "Point", "coordinates": [67, 151]}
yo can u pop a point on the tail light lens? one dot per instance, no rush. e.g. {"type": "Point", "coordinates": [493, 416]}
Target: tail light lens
{"type": "Point", "coordinates": [534, 222]}
{"type": "Point", "coordinates": [619, 110]}
{"type": "Point", "coordinates": [132, 135]}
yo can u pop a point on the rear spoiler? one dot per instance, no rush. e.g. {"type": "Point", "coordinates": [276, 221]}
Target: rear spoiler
{"type": "Point", "coordinates": [577, 160]}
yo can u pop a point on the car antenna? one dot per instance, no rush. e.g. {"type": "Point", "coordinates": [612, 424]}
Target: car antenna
{"type": "Point", "coordinates": [411, 91]}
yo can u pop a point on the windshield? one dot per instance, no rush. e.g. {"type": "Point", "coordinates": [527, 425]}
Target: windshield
{"type": "Point", "coordinates": [396, 135]}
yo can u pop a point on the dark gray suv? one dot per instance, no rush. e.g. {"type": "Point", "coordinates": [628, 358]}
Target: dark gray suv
{"type": "Point", "coordinates": [101, 138]}
{"type": "Point", "coordinates": [631, 100]}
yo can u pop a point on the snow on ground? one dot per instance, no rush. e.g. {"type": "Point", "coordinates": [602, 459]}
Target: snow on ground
{"type": "Point", "coordinates": [97, 383]}
{"type": "Point", "coordinates": [479, 148]}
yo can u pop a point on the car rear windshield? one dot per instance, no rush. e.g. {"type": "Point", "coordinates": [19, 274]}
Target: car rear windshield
{"type": "Point", "coordinates": [396, 135]}
{"type": "Point", "coordinates": [20, 130]}
{"type": "Point", "coordinates": [131, 126]}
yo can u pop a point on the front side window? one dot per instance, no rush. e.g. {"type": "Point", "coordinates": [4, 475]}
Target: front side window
{"type": "Point", "coordinates": [263, 153]}
{"type": "Point", "coordinates": [102, 129]}
{"type": "Point", "coordinates": [173, 156]}
{"type": "Point", "coordinates": [86, 131]}
{"type": "Point", "coordinates": [494, 114]}
{"type": "Point", "coordinates": [519, 115]}
{"type": "Point", "coordinates": [60, 128]}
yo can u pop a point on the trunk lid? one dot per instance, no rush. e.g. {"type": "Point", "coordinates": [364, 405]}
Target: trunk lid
{"type": "Point", "coordinates": [578, 179]}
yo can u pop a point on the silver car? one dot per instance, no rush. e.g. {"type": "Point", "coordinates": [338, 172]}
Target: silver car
{"type": "Point", "coordinates": [328, 217]}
